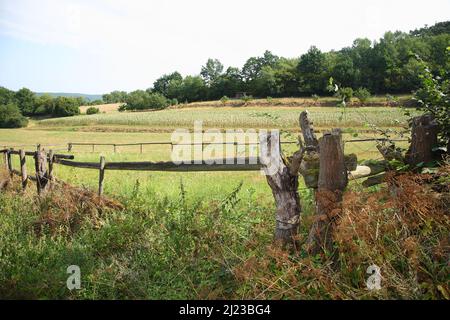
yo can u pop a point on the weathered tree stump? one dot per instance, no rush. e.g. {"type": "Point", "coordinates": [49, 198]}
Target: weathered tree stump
{"type": "Point", "coordinates": [332, 182]}
{"type": "Point", "coordinates": [309, 168]}
{"type": "Point", "coordinates": [423, 140]}
{"type": "Point", "coordinates": [284, 187]}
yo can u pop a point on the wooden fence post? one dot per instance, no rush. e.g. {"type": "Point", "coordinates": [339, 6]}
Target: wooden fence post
{"type": "Point", "coordinates": [9, 162]}
{"type": "Point", "coordinates": [141, 148]}
{"type": "Point", "coordinates": [93, 147]}
{"type": "Point", "coordinates": [5, 159]}
{"type": "Point", "coordinates": [114, 148]}
{"type": "Point", "coordinates": [101, 176]}
{"type": "Point", "coordinates": [40, 162]}
{"type": "Point", "coordinates": [423, 140]}
{"type": "Point", "coordinates": [69, 147]}
{"type": "Point", "coordinates": [332, 182]}
{"type": "Point", "coordinates": [50, 165]}
{"type": "Point", "coordinates": [23, 169]}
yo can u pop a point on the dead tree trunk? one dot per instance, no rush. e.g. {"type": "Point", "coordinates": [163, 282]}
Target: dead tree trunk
{"type": "Point", "coordinates": [423, 140]}
{"type": "Point", "coordinates": [332, 182]}
{"type": "Point", "coordinates": [284, 187]}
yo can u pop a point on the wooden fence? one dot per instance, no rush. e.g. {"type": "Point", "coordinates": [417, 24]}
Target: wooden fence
{"type": "Point", "coordinates": [321, 162]}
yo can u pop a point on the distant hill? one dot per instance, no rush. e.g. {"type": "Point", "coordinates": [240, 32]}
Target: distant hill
{"type": "Point", "coordinates": [90, 97]}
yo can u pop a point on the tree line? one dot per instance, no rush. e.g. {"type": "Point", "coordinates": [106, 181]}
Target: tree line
{"type": "Point", "coordinates": [388, 65]}
{"type": "Point", "coordinates": [15, 106]}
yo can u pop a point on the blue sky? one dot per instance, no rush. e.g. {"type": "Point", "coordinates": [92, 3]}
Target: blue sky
{"type": "Point", "coordinates": [98, 46]}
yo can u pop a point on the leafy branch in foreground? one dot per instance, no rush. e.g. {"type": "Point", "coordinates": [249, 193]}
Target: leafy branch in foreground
{"type": "Point", "coordinates": [433, 98]}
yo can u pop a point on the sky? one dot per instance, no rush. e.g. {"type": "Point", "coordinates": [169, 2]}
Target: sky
{"type": "Point", "coordinates": [97, 46]}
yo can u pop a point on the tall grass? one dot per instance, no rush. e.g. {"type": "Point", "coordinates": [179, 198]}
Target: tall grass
{"type": "Point", "coordinates": [184, 248]}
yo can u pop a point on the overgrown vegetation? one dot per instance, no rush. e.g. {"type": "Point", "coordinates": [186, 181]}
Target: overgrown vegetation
{"type": "Point", "coordinates": [175, 248]}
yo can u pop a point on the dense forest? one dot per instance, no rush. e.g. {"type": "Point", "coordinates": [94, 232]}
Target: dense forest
{"type": "Point", "coordinates": [389, 65]}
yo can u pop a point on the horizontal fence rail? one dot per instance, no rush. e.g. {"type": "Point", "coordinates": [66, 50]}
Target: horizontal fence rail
{"type": "Point", "coordinates": [50, 158]}
{"type": "Point", "coordinates": [231, 164]}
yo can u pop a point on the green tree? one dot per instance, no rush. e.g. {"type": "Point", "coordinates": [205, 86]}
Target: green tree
{"type": "Point", "coordinates": [65, 107]}
{"type": "Point", "coordinates": [25, 99]}
{"type": "Point", "coordinates": [10, 117]}
{"type": "Point", "coordinates": [211, 71]}
{"type": "Point", "coordinates": [6, 96]}
{"type": "Point", "coordinates": [44, 105]}
{"type": "Point", "coordinates": [312, 70]}
{"type": "Point", "coordinates": [162, 84]}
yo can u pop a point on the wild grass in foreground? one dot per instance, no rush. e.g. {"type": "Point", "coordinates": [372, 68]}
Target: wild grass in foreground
{"type": "Point", "coordinates": [144, 246]}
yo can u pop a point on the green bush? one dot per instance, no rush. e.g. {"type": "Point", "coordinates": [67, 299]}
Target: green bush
{"type": "Point", "coordinates": [92, 110]}
{"type": "Point", "coordinates": [10, 117]}
{"type": "Point", "coordinates": [247, 99]}
{"type": "Point", "coordinates": [345, 94]}
{"type": "Point", "coordinates": [315, 97]}
{"type": "Point", "coordinates": [363, 95]}
{"type": "Point", "coordinates": [224, 100]}
{"type": "Point", "coordinates": [141, 100]}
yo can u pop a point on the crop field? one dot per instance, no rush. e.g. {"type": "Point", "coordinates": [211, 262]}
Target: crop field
{"type": "Point", "coordinates": [285, 118]}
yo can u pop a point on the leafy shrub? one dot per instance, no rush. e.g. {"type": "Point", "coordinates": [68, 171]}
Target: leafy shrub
{"type": "Point", "coordinates": [10, 117]}
{"type": "Point", "coordinates": [247, 99]}
{"type": "Point", "coordinates": [173, 102]}
{"type": "Point", "coordinates": [392, 100]}
{"type": "Point", "coordinates": [315, 97]}
{"type": "Point", "coordinates": [345, 94]}
{"type": "Point", "coordinates": [224, 100]}
{"type": "Point", "coordinates": [363, 95]}
{"type": "Point", "coordinates": [433, 98]}
{"type": "Point", "coordinates": [92, 110]}
{"type": "Point", "coordinates": [122, 108]}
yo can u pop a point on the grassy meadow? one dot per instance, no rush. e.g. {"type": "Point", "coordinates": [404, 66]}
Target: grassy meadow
{"type": "Point", "coordinates": [200, 235]}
